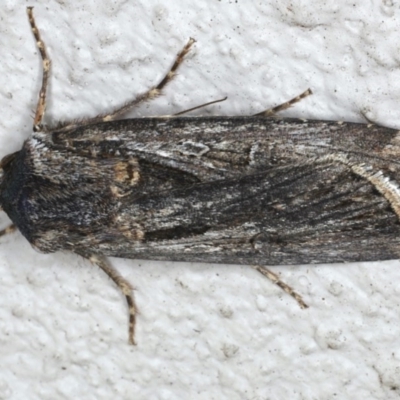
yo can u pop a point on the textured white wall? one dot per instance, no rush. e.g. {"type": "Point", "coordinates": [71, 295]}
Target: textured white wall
{"type": "Point", "coordinates": [205, 331]}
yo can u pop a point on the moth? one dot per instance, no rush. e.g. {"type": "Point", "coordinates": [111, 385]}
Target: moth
{"type": "Point", "coordinates": [254, 190]}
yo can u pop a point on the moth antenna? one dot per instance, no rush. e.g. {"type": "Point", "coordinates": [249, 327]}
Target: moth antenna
{"type": "Point", "coordinates": [46, 64]}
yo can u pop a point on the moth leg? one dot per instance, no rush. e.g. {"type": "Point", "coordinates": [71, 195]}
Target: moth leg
{"type": "Point", "coordinates": [274, 278]}
{"type": "Point", "coordinates": [125, 287]}
{"type": "Point", "coordinates": [46, 62]}
{"type": "Point", "coordinates": [9, 229]}
{"type": "Point", "coordinates": [197, 107]}
{"type": "Point", "coordinates": [151, 94]}
{"type": "Point", "coordinates": [284, 106]}
{"type": "Point", "coordinates": [370, 121]}
{"type": "Point", "coordinates": [155, 91]}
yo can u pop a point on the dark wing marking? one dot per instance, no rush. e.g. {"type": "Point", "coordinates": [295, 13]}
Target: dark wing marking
{"type": "Point", "coordinates": [295, 214]}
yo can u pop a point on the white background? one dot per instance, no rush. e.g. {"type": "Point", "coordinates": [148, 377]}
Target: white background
{"type": "Point", "coordinates": [204, 331]}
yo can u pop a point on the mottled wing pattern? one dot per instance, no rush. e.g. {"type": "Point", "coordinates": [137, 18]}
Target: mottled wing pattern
{"type": "Point", "coordinates": [260, 191]}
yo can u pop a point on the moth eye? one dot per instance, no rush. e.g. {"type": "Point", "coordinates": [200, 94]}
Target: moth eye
{"type": "Point", "coordinates": [7, 160]}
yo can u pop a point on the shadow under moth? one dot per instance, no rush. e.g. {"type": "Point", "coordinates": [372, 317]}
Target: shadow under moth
{"type": "Point", "coordinates": [254, 190]}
